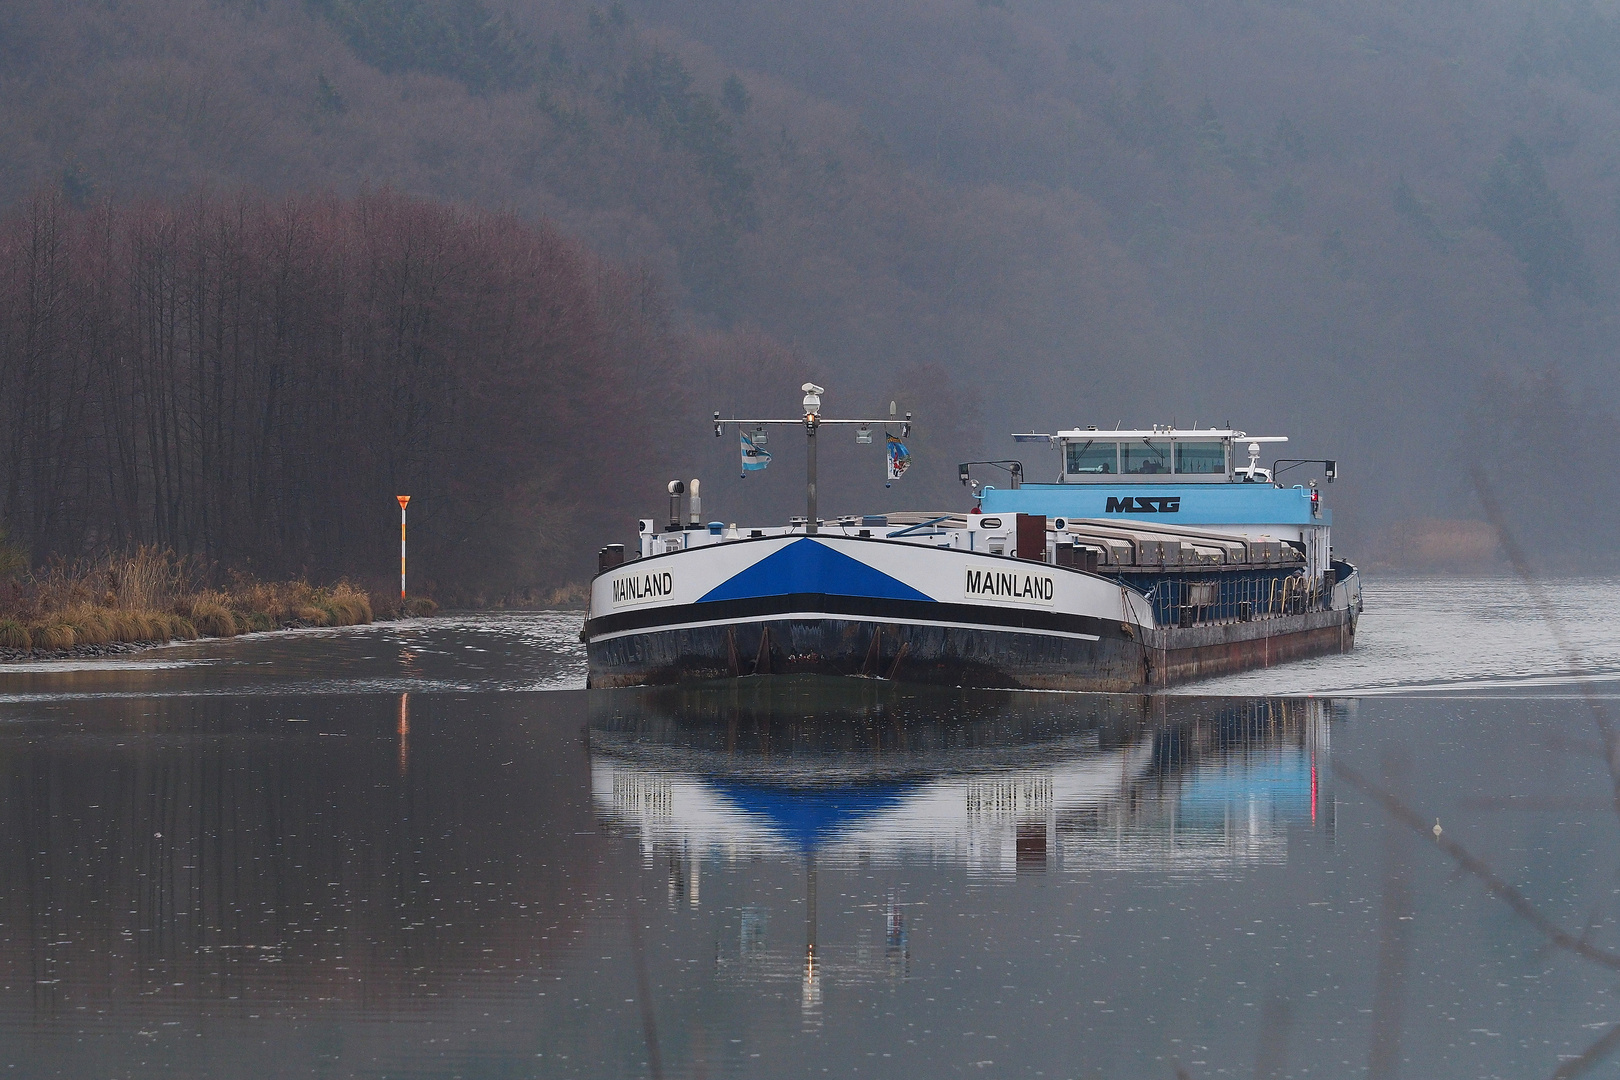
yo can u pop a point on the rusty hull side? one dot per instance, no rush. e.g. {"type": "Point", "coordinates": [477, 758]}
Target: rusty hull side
{"type": "Point", "coordinates": [1178, 655]}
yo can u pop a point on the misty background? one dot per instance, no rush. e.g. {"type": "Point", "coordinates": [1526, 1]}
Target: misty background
{"type": "Point", "coordinates": [1388, 231]}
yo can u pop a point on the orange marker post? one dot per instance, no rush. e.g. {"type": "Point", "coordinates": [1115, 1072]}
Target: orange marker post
{"type": "Point", "coordinates": [404, 500]}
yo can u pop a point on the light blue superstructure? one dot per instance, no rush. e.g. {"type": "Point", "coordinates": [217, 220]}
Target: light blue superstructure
{"type": "Point", "coordinates": [1196, 504]}
{"type": "Point", "coordinates": [1165, 479]}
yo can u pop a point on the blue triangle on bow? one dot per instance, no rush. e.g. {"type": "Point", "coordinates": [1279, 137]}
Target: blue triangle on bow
{"type": "Point", "coordinates": [805, 566]}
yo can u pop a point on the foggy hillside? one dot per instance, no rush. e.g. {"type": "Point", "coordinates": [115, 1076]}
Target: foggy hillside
{"type": "Point", "coordinates": [1366, 226]}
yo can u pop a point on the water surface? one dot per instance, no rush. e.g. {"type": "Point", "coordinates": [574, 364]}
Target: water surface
{"type": "Point", "coordinates": [404, 851]}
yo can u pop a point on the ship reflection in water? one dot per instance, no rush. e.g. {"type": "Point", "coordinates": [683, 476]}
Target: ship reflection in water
{"type": "Point", "coordinates": [1000, 784]}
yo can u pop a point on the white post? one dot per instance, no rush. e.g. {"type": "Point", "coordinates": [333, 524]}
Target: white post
{"type": "Point", "coordinates": [403, 500]}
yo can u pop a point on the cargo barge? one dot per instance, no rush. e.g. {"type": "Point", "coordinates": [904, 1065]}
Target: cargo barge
{"type": "Point", "coordinates": [1156, 556]}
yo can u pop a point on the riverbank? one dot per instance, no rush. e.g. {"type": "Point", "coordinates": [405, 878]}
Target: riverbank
{"type": "Point", "coordinates": [127, 648]}
{"type": "Point", "coordinates": [123, 603]}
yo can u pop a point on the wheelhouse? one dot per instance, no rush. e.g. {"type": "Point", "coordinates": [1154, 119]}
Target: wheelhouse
{"type": "Point", "coordinates": [1160, 454]}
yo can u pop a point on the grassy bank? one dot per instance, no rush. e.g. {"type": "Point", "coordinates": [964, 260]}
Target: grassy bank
{"type": "Point", "coordinates": [153, 597]}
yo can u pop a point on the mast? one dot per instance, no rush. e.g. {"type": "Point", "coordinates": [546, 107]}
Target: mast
{"type": "Point", "coordinates": [812, 421]}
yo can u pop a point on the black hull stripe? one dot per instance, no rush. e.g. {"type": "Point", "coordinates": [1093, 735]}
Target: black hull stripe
{"type": "Point", "coordinates": [669, 618]}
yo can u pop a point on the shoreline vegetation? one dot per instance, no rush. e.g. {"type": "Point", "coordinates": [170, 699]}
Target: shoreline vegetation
{"type": "Point", "coordinates": [148, 597]}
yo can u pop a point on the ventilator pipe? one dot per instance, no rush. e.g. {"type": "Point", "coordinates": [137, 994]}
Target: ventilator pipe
{"type": "Point", "coordinates": [676, 490]}
{"type": "Point", "coordinates": [696, 504]}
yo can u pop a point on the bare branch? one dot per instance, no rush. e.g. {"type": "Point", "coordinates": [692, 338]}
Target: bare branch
{"type": "Point", "coordinates": [1475, 866]}
{"type": "Point", "coordinates": [1593, 1055]}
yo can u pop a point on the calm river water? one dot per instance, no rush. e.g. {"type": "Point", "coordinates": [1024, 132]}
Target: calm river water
{"type": "Point", "coordinates": [420, 850]}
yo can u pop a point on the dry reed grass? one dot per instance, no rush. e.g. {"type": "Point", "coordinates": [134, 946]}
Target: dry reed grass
{"type": "Point", "coordinates": [387, 605]}
{"type": "Point", "coordinates": [154, 596]}
{"type": "Point", "coordinates": [574, 595]}
{"type": "Point", "coordinates": [211, 617]}
{"type": "Point", "coordinates": [53, 637]}
{"type": "Point", "coordinates": [298, 603]}
{"type": "Point", "coordinates": [14, 635]}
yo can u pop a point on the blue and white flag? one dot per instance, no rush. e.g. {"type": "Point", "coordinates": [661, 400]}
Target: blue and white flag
{"type": "Point", "coordinates": [754, 457]}
{"type": "Point", "coordinates": [898, 459]}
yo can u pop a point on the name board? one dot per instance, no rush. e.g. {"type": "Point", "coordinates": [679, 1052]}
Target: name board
{"type": "Point", "coordinates": [643, 588]}
{"type": "Point", "coordinates": [1018, 586]}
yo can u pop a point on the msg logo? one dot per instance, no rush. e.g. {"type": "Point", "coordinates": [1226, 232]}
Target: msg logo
{"type": "Point", "coordinates": [1144, 504]}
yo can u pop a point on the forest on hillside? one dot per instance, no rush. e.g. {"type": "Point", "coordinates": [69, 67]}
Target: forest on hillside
{"type": "Point", "coordinates": [251, 381]}
{"type": "Point", "coordinates": [1391, 233]}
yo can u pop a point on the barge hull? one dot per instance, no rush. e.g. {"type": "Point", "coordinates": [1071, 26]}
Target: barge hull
{"type": "Point", "coordinates": [963, 656]}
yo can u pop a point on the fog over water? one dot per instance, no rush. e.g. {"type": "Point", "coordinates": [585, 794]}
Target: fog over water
{"type": "Point", "coordinates": [412, 850]}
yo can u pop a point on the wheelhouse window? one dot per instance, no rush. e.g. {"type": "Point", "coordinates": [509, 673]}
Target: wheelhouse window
{"type": "Point", "coordinates": [1145, 457]}
{"type": "Point", "coordinates": [1200, 457]}
{"type": "Point", "coordinates": [1091, 458]}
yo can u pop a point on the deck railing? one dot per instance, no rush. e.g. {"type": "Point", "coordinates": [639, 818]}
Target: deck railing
{"type": "Point", "coordinates": [1205, 599]}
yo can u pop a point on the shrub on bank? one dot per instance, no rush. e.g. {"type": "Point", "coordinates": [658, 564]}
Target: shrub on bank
{"type": "Point", "coordinates": [53, 637]}
{"type": "Point", "coordinates": [212, 618]}
{"type": "Point", "coordinates": [389, 606]}
{"type": "Point", "coordinates": [348, 606]}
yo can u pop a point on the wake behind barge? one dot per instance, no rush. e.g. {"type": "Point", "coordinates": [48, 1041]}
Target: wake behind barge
{"type": "Point", "coordinates": [1154, 559]}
